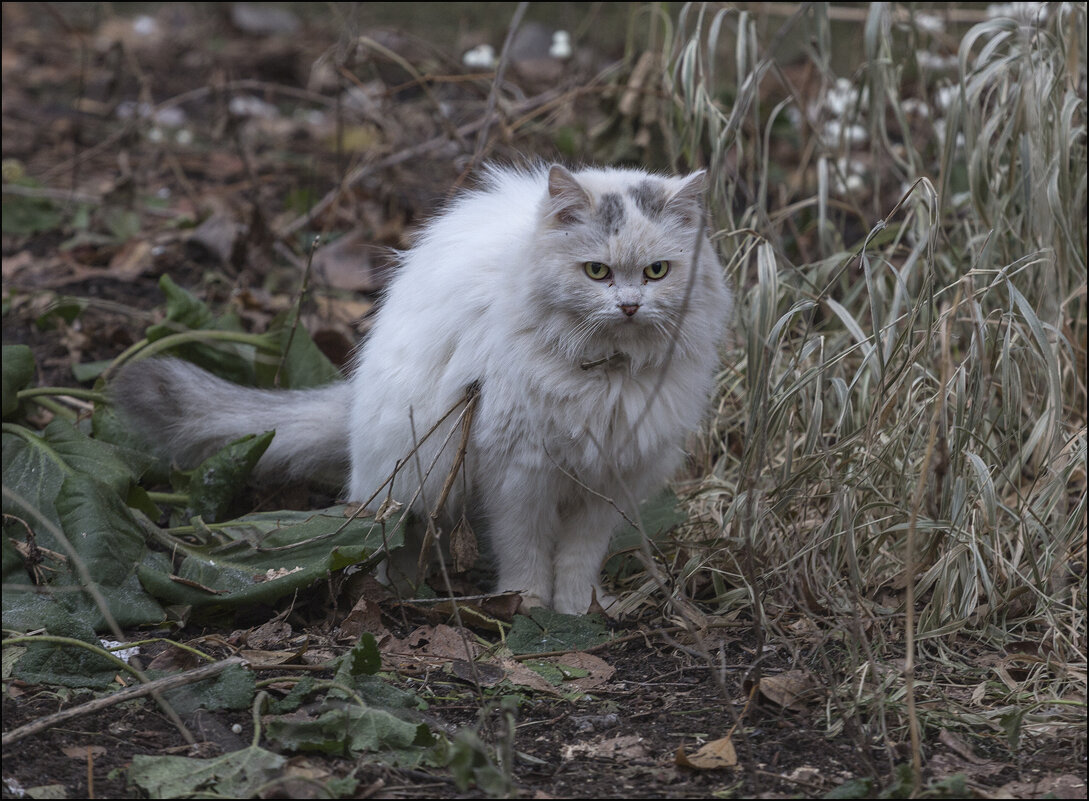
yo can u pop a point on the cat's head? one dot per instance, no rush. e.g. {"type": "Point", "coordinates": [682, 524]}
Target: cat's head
{"type": "Point", "coordinates": [626, 265]}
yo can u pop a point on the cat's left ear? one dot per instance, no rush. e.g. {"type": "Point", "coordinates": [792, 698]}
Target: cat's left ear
{"type": "Point", "coordinates": [688, 200]}
{"type": "Point", "coordinates": [570, 203]}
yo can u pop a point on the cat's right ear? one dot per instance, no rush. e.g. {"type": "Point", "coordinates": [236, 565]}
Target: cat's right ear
{"type": "Point", "coordinates": [568, 201]}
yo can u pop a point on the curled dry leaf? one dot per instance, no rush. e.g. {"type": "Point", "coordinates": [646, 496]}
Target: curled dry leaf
{"type": "Point", "coordinates": [791, 689]}
{"type": "Point", "coordinates": [714, 755]}
{"type": "Point", "coordinates": [463, 547]}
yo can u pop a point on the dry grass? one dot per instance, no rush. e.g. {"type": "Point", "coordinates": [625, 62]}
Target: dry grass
{"type": "Point", "coordinates": [910, 399]}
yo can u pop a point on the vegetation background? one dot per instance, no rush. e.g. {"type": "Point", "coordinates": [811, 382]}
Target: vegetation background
{"type": "Point", "coordinates": [881, 540]}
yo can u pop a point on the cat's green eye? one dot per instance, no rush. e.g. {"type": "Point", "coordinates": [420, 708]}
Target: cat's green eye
{"type": "Point", "coordinates": [656, 271]}
{"type": "Point", "coordinates": [597, 270]}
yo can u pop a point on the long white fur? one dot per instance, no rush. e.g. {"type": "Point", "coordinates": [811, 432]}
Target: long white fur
{"type": "Point", "coordinates": [582, 407]}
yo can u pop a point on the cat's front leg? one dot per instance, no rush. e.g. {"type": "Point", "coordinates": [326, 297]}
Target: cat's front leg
{"type": "Point", "coordinates": [581, 546]}
{"type": "Point", "coordinates": [523, 548]}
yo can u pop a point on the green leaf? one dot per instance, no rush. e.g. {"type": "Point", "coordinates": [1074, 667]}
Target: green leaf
{"type": "Point", "coordinates": [64, 447]}
{"type": "Point", "coordinates": [185, 312]}
{"type": "Point", "coordinates": [60, 312]}
{"type": "Point", "coordinates": [471, 763]}
{"type": "Point", "coordinates": [66, 665]}
{"type": "Point", "coordinates": [85, 372]}
{"type": "Point", "coordinates": [29, 215]}
{"type": "Point", "coordinates": [234, 688]}
{"type": "Point", "coordinates": [239, 774]}
{"type": "Point", "coordinates": [658, 516]}
{"type": "Point", "coordinates": [262, 557]}
{"type": "Point", "coordinates": [353, 730]}
{"type": "Point", "coordinates": [303, 366]}
{"type": "Point", "coordinates": [293, 700]}
{"type": "Point", "coordinates": [18, 371]}
{"type": "Point", "coordinates": [363, 659]}
{"type": "Point", "coordinates": [103, 541]}
{"type": "Point", "coordinates": [544, 630]}
{"type": "Point", "coordinates": [131, 448]}
{"type": "Point", "coordinates": [218, 479]}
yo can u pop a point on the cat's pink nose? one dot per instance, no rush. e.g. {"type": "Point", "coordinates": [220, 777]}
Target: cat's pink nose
{"type": "Point", "coordinates": [629, 308]}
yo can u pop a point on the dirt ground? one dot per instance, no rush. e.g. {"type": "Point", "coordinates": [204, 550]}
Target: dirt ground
{"type": "Point", "coordinates": [196, 144]}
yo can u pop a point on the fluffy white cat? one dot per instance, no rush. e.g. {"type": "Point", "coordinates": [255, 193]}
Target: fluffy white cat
{"type": "Point", "coordinates": [587, 309]}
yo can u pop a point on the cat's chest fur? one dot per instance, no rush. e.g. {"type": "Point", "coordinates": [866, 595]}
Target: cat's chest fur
{"type": "Point", "coordinates": [594, 420]}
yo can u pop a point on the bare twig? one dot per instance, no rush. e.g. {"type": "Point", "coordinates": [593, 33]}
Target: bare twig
{"type": "Point", "coordinates": [129, 693]}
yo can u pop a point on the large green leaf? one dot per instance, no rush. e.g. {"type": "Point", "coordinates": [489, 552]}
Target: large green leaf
{"type": "Point", "coordinates": [100, 547]}
{"type": "Point", "coordinates": [185, 312]}
{"type": "Point", "coordinates": [64, 664]}
{"type": "Point", "coordinates": [28, 455]}
{"type": "Point", "coordinates": [234, 688]}
{"type": "Point", "coordinates": [18, 370]}
{"type": "Point", "coordinates": [657, 517]}
{"type": "Point", "coordinates": [262, 557]}
{"type": "Point", "coordinates": [345, 730]}
{"type": "Point", "coordinates": [218, 479]}
{"type": "Point", "coordinates": [239, 774]}
{"type": "Point", "coordinates": [60, 481]}
{"type": "Point", "coordinates": [544, 630]}
{"type": "Point", "coordinates": [304, 365]}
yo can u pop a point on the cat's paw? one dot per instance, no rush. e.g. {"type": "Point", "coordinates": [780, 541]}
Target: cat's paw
{"type": "Point", "coordinates": [531, 601]}
{"type": "Point", "coordinates": [597, 600]}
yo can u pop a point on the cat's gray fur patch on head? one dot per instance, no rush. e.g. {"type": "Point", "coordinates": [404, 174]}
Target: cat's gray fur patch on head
{"type": "Point", "coordinates": [655, 199]}
{"type": "Point", "coordinates": [650, 198]}
{"type": "Point", "coordinates": [609, 214]}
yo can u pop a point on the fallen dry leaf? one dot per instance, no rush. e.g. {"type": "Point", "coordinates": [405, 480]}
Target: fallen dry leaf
{"type": "Point", "coordinates": [83, 751]}
{"type": "Point", "coordinates": [626, 747]}
{"type": "Point", "coordinates": [599, 670]}
{"type": "Point", "coordinates": [347, 264]}
{"type": "Point", "coordinates": [519, 674]}
{"type": "Point", "coordinates": [131, 259]}
{"type": "Point", "coordinates": [791, 689]}
{"type": "Point", "coordinates": [269, 635]}
{"type": "Point", "coordinates": [714, 755]}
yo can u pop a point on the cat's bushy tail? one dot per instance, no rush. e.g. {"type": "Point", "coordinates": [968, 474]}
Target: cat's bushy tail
{"type": "Point", "coordinates": [187, 414]}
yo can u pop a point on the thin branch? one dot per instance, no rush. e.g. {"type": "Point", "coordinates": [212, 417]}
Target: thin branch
{"type": "Point", "coordinates": [129, 693]}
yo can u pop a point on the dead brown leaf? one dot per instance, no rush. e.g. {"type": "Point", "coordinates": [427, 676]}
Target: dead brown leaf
{"type": "Point", "coordinates": [260, 657]}
{"type": "Point", "coordinates": [600, 671]}
{"type": "Point", "coordinates": [792, 689]}
{"type": "Point", "coordinates": [269, 635]}
{"type": "Point", "coordinates": [625, 748]}
{"type": "Point", "coordinates": [131, 259]}
{"type": "Point", "coordinates": [83, 751]}
{"type": "Point", "coordinates": [463, 546]}
{"type": "Point", "coordinates": [518, 673]}
{"type": "Point", "coordinates": [347, 264]}
{"type": "Point", "coordinates": [365, 616]}
{"type": "Point", "coordinates": [714, 755]}
{"type": "Point", "coordinates": [174, 659]}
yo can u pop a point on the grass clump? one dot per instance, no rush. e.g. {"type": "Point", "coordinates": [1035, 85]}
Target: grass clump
{"type": "Point", "coordinates": [902, 417]}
